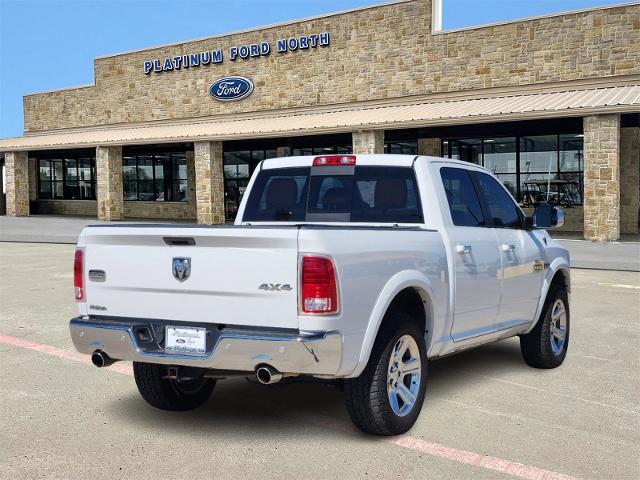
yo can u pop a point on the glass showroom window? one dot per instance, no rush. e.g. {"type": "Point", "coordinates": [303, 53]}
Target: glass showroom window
{"type": "Point", "coordinates": [328, 150]}
{"type": "Point", "coordinates": [158, 177]}
{"type": "Point", "coordinates": [238, 167]}
{"type": "Point", "coordinates": [468, 149]}
{"type": "Point", "coordinates": [500, 157]}
{"type": "Point", "coordinates": [404, 148]}
{"type": "Point", "coordinates": [66, 178]}
{"type": "Point", "coordinates": [545, 176]}
{"type": "Point", "coordinates": [571, 163]}
{"type": "Point", "coordinates": [534, 168]}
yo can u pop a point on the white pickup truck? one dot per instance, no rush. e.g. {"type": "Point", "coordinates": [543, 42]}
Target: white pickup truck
{"type": "Point", "coordinates": [353, 268]}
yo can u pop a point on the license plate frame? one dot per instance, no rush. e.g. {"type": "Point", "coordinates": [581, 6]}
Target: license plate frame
{"type": "Point", "coordinates": [180, 340]}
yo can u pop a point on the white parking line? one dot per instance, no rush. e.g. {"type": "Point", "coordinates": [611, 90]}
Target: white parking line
{"type": "Point", "coordinates": [551, 392]}
{"type": "Point", "coordinates": [618, 285]}
{"type": "Point", "coordinates": [509, 467]}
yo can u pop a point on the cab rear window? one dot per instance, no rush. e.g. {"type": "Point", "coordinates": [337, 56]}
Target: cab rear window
{"type": "Point", "coordinates": [365, 194]}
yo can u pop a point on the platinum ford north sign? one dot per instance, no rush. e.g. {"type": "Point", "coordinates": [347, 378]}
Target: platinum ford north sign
{"type": "Point", "coordinates": [244, 52]}
{"type": "Point", "coordinates": [228, 89]}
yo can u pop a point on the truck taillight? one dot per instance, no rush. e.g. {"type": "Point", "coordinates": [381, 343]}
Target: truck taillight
{"type": "Point", "coordinates": [334, 160]}
{"type": "Point", "coordinates": [78, 277]}
{"type": "Point", "coordinates": [318, 288]}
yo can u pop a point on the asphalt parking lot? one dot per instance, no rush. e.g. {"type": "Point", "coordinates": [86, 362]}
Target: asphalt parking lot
{"type": "Point", "coordinates": [487, 415]}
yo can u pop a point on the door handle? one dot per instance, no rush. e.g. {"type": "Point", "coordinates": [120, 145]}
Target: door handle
{"type": "Point", "coordinates": [508, 248]}
{"type": "Point", "coordinates": [463, 248]}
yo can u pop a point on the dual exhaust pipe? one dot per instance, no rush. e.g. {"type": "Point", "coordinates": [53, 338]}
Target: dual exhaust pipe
{"type": "Point", "coordinates": [101, 359]}
{"type": "Point", "coordinates": [265, 374]}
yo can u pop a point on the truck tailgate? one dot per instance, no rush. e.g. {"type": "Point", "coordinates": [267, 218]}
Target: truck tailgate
{"type": "Point", "coordinates": [227, 267]}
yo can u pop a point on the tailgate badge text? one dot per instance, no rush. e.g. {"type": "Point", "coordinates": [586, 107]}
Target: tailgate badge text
{"type": "Point", "coordinates": [277, 287]}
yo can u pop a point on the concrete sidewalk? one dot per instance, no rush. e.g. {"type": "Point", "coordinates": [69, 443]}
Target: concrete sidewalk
{"type": "Point", "coordinates": [52, 228]}
{"type": "Point", "coordinates": [623, 255]}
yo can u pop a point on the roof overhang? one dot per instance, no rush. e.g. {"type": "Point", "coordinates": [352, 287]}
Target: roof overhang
{"type": "Point", "coordinates": [426, 112]}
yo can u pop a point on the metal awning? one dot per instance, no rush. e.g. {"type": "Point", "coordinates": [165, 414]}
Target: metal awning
{"type": "Point", "coordinates": [574, 102]}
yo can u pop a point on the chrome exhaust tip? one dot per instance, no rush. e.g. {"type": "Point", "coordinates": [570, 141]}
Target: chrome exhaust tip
{"type": "Point", "coordinates": [267, 375]}
{"type": "Point", "coordinates": [101, 359]}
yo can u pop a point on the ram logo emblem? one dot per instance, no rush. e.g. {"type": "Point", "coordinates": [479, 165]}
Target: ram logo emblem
{"type": "Point", "coordinates": [181, 268]}
{"type": "Point", "coordinates": [275, 287]}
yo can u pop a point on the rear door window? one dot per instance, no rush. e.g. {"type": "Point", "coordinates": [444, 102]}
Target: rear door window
{"type": "Point", "coordinates": [464, 204]}
{"type": "Point", "coordinates": [365, 194]}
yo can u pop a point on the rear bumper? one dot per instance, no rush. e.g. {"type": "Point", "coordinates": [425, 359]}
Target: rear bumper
{"type": "Point", "coordinates": [229, 349]}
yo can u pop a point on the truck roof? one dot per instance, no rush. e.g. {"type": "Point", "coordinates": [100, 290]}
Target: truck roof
{"type": "Point", "coordinates": [379, 159]}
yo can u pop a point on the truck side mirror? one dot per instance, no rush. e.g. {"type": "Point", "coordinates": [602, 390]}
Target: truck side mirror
{"type": "Point", "coordinates": [547, 216]}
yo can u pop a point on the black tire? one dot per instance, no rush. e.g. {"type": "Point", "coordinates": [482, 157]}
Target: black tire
{"type": "Point", "coordinates": [167, 394]}
{"type": "Point", "coordinates": [536, 345]}
{"type": "Point", "coordinates": [366, 396]}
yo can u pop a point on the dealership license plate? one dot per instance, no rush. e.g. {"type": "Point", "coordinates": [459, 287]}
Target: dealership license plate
{"type": "Point", "coordinates": [185, 340]}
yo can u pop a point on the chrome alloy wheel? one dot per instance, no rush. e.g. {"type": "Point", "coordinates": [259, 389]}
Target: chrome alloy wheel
{"type": "Point", "coordinates": [558, 326]}
{"type": "Point", "coordinates": [403, 375]}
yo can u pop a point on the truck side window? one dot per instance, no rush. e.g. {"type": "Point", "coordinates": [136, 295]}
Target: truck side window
{"type": "Point", "coordinates": [463, 201]}
{"type": "Point", "coordinates": [502, 209]}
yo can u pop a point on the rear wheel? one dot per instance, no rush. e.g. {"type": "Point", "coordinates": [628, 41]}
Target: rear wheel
{"type": "Point", "coordinates": [546, 345]}
{"type": "Point", "coordinates": [387, 397]}
{"type": "Point", "coordinates": [171, 394]}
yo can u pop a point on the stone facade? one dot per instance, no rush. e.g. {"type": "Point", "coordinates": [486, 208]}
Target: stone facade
{"type": "Point", "coordinates": [368, 141]}
{"type": "Point", "coordinates": [209, 182]}
{"type": "Point", "coordinates": [17, 183]}
{"type": "Point", "coordinates": [430, 147]}
{"type": "Point", "coordinates": [381, 52]}
{"type": "Point", "coordinates": [109, 183]}
{"type": "Point", "coordinates": [376, 54]}
{"type": "Point", "coordinates": [602, 177]}
{"type": "Point", "coordinates": [82, 208]}
{"type": "Point", "coordinates": [629, 179]}
{"type": "Point", "coordinates": [160, 210]}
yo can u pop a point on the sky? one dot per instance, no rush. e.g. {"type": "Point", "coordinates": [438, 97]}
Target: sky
{"type": "Point", "coordinates": [50, 44]}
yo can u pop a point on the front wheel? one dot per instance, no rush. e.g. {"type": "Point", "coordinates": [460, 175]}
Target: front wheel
{"type": "Point", "coordinates": [546, 345]}
{"type": "Point", "coordinates": [387, 397]}
{"type": "Point", "coordinates": [167, 393]}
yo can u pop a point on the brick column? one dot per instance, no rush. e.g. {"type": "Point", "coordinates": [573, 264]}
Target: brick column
{"type": "Point", "coordinates": [430, 147]}
{"type": "Point", "coordinates": [368, 141]}
{"type": "Point", "coordinates": [629, 179]}
{"type": "Point", "coordinates": [17, 172]}
{"type": "Point", "coordinates": [602, 177]}
{"type": "Point", "coordinates": [209, 182]}
{"type": "Point", "coordinates": [109, 182]}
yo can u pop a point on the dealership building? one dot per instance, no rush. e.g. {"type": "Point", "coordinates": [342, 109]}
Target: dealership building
{"type": "Point", "coordinates": [550, 104]}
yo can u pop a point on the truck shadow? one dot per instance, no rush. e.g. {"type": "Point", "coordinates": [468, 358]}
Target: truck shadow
{"type": "Point", "coordinates": [243, 410]}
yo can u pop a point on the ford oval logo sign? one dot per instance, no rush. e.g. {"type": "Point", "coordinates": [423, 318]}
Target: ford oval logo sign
{"type": "Point", "coordinates": [228, 89]}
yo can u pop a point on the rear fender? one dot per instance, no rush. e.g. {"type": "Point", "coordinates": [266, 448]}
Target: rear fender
{"type": "Point", "coordinates": [397, 283]}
